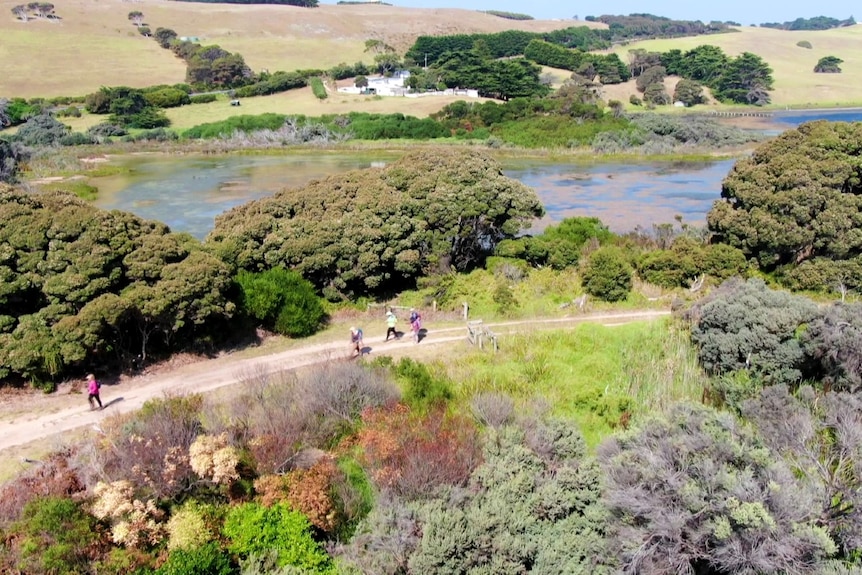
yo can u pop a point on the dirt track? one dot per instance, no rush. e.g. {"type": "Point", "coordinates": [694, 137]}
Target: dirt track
{"type": "Point", "coordinates": [208, 375]}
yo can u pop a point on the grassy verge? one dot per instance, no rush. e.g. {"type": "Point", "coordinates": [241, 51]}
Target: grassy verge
{"type": "Point", "coordinates": [601, 376]}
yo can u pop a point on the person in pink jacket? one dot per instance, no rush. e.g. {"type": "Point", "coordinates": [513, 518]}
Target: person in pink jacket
{"type": "Point", "coordinates": [93, 392]}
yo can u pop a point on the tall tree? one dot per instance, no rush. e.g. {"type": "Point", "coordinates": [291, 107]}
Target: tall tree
{"type": "Point", "coordinates": [745, 80]}
{"type": "Point", "coordinates": [828, 65]}
{"type": "Point", "coordinates": [20, 12]}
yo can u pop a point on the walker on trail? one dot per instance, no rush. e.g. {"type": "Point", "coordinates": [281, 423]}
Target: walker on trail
{"type": "Point", "coordinates": [356, 342]}
{"type": "Point", "coordinates": [415, 324]}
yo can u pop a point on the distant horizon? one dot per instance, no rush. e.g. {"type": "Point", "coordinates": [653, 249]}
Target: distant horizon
{"type": "Point", "coordinates": [745, 13]}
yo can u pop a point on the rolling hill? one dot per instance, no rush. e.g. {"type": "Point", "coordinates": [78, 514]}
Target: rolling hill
{"type": "Point", "coordinates": [94, 44]}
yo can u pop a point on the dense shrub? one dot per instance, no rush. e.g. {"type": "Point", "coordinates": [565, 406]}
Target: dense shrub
{"type": "Point", "coordinates": [52, 477]}
{"type": "Point", "coordinates": [106, 130]}
{"type": "Point", "coordinates": [254, 530]}
{"type": "Point", "coordinates": [42, 130]}
{"type": "Point", "coordinates": [54, 536]}
{"type": "Point", "coordinates": [800, 192]}
{"type": "Point", "coordinates": [76, 139]}
{"type": "Point", "coordinates": [818, 435]}
{"type": "Point", "coordinates": [607, 274]}
{"type": "Point", "coordinates": [207, 559]}
{"type": "Point", "coordinates": [282, 301]}
{"type": "Point", "coordinates": [824, 275]}
{"type": "Point", "coordinates": [70, 112]}
{"type": "Point", "coordinates": [365, 126]}
{"type": "Point", "coordinates": [688, 259]}
{"type": "Point", "coordinates": [11, 153]}
{"type": "Point", "coordinates": [242, 123]}
{"type": "Point", "coordinates": [317, 88]}
{"type": "Point", "coordinates": [833, 341]}
{"type": "Point", "coordinates": [203, 98]}
{"type": "Point", "coordinates": [804, 44]}
{"type": "Point", "coordinates": [384, 228]}
{"type": "Point", "coordinates": [278, 82]}
{"type": "Point", "coordinates": [133, 288]}
{"type": "Point", "coordinates": [423, 391]}
{"type": "Point", "coordinates": [746, 325]}
{"type": "Point", "coordinates": [533, 506]}
{"type": "Point", "coordinates": [417, 456]}
{"type": "Point", "coordinates": [155, 135]}
{"type": "Point", "coordinates": [280, 414]}
{"type": "Point", "coordinates": [150, 448]}
{"type": "Point", "coordinates": [698, 492]}
{"type": "Point", "coordinates": [168, 98]}
{"type": "Point", "coordinates": [560, 245]}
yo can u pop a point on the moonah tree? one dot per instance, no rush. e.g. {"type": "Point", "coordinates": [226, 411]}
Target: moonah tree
{"type": "Point", "coordinates": [798, 197]}
{"type": "Point", "coordinates": [368, 231]}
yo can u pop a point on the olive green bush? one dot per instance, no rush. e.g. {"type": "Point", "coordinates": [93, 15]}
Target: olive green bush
{"type": "Point", "coordinates": [374, 231]}
{"type": "Point", "coordinates": [745, 325]}
{"type": "Point", "coordinates": [607, 274]}
{"type": "Point", "coordinates": [533, 506]}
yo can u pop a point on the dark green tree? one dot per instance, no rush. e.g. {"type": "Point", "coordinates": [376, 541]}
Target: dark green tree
{"type": "Point", "coordinates": [798, 197]}
{"type": "Point", "coordinates": [370, 231]}
{"type": "Point", "coordinates": [688, 92]}
{"type": "Point", "coordinates": [83, 287]}
{"type": "Point", "coordinates": [828, 65]}
{"type": "Point", "coordinates": [745, 80]}
{"type": "Point", "coordinates": [165, 36]}
{"type": "Point", "coordinates": [653, 75]}
{"type": "Point", "coordinates": [702, 64]}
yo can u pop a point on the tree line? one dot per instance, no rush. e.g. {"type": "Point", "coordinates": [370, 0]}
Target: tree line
{"type": "Point", "coordinates": [815, 23]}
{"type": "Point", "coordinates": [644, 26]}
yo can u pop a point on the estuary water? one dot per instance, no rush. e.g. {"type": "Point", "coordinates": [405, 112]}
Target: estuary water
{"type": "Point", "coordinates": [188, 192]}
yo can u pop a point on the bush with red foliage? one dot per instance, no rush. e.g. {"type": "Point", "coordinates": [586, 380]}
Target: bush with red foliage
{"type": "Point", "coordinates": [50, 477]}
{"type": "Point", "coordinates": [414, 456]}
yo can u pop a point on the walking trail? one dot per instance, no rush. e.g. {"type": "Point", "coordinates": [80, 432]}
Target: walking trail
{"type": "Point", "coordinates": [23, 427]}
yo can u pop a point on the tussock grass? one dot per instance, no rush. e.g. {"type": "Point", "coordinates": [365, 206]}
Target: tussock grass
{"type": "Point", "coordinates": [600, 376]}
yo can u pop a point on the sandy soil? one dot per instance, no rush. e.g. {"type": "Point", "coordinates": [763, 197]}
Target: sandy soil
{"type": "Point", "coordinates": [32, 424]}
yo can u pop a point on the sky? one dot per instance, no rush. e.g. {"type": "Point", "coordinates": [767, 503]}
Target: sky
{"type": "Point", "coordinates": [743, 11]}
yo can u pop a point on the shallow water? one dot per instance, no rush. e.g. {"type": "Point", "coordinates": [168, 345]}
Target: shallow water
{"type": "Point", "coordinates": [188, 192]}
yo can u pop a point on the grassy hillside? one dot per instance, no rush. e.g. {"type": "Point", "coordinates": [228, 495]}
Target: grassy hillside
{"type": "Point", "coordinates": [796, 84]}
{"type": "Point", "coordinates": [94, 44]}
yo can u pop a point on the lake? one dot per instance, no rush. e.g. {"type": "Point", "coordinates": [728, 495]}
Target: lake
{"type": "Point", "coordinates": [188, 192]}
